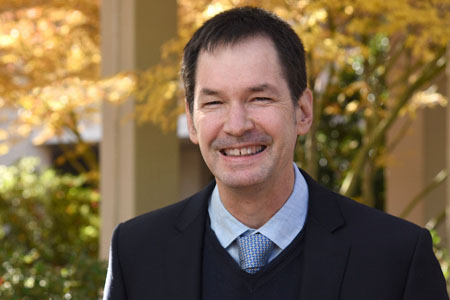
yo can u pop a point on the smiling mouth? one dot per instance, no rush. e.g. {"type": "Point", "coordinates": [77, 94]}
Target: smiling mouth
{"type": "Point", "coordinates": [244, 151]}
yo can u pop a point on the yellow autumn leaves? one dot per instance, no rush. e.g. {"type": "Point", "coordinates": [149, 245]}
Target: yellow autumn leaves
{"type": "Point", "coordinates": [50, 70]}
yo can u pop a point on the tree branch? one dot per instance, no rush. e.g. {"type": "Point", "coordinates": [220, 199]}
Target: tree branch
{"type": "Point", "coordinates": [429, 72]}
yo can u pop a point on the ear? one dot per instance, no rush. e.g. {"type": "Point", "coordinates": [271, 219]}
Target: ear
{"type": "Point", "coordinates": [304, 112]}
{"type": "Point", "coordinates": [190, 123]}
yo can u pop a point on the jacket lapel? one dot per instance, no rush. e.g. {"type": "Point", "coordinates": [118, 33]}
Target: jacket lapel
{"type": "Point", "coordinates": [183, 262]}
{"type": "Point", "coordinates": [325, 263]}
{"type": "Point", "coordinates": [325, 254]}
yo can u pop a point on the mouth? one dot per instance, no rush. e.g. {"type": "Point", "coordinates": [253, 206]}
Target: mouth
{"type": "Point", "coordinates": [243, 151]}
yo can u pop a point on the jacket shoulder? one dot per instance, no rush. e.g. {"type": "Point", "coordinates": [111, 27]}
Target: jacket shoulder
{"type": "Point", "coordinates": [374, 233]}
{"type": "Point", "coordinates": [165, 221]}
{"type": "Point", "coordinates": [332, 208]}
{"type": "Point", "coordinates": [360, 215]}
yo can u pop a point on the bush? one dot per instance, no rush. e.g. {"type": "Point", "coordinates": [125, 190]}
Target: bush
{"type": "Point", "coordinates": [49, 227]}
{"type": "Point", "coordinates": [441, 254]}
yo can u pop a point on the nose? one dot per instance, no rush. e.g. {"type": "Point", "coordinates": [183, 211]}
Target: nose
{"type": "Point", "coordinates": [237, 120]}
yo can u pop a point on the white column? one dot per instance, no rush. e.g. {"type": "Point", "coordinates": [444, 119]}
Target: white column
{"type": "Point", "coordinates": [139, 164]}
{"type": "Point", "coordinates": [118, 139]}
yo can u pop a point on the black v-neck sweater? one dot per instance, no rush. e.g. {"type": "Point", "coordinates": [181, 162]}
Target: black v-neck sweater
{"type": "Point", "coordinates": [223, 279]}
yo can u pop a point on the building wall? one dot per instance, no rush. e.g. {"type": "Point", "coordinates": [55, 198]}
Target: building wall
{"type": "Point", "coordinates": [26, 148]}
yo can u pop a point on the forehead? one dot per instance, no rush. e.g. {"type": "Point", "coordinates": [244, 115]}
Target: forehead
{"type": "Point", "coordinates": [252, 61]}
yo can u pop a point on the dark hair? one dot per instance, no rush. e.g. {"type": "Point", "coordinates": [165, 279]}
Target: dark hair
{"type": "Point", "coordinates": [237, 24]}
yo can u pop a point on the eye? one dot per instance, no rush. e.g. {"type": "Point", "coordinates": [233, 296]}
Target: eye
{"type": "Point", "coordinates": [263, 99]}
{"type": "Point", "coordinates": [212, 103]}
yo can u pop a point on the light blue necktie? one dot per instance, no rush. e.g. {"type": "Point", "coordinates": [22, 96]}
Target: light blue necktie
{"type": "Point", "coordinates": [254, 251]}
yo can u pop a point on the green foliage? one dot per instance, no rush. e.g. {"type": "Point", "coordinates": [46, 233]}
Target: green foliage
{"type": "Point", "coordinates": [49, 229]}
{"type": "Point", "coordinates": [351, 110]}
{"type": "Point", "coordinates": [441, 254]}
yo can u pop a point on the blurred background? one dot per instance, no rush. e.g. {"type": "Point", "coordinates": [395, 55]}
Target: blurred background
{"type": "Point", "coordinates": [92, 131]}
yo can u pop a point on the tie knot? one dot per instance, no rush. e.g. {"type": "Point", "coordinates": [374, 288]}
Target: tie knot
{"type": "Point", "coordinates": [254, 251]}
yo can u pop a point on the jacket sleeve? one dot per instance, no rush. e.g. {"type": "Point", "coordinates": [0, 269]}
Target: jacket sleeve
{"type": "Point", "coordinates": [425, 279]}
{"type": "Point", "coordinates": [114, 285]}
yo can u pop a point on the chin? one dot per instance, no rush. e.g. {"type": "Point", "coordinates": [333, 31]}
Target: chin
{"type": "Point", "coordinates": [240, 181]}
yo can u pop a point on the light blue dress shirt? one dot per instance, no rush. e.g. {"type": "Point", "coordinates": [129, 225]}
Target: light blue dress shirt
{"type": "Point", "coordinates": [281, 229]}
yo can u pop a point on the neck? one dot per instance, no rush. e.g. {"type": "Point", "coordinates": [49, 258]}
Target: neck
{"type": "Point", "coordinates": [255, 205]}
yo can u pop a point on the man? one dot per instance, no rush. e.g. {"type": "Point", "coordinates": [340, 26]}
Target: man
{"type": "Point", "coordinates": [264, 229]}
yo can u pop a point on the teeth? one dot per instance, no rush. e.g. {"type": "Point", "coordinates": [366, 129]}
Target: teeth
{"type": "Point", "coordinates": [243, 151]}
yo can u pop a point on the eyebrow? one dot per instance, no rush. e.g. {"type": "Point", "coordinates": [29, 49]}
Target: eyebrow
{"type": "Point", "coordinates": [208, 92]}
{"type": "Point", "coordinates": [257, 88]}
{"type": "Point", "coordinates": [263, 87]}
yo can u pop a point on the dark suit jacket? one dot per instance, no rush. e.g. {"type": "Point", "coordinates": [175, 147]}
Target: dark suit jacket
{"type": "Point", "coordinates": [351, 252]}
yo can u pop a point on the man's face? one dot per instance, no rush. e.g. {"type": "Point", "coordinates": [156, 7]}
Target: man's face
{"type": "Point", "coordinates": [243, 117]}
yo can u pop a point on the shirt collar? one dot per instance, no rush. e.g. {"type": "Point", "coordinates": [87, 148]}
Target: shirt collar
{"type": "Point", "coordinates": [226, 227]}
{"type": "Point", "coordinates": [281, 229]}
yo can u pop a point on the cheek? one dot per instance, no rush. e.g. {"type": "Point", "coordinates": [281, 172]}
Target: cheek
{"type": "Point", "coordinates": [278, 124]}
{"type": "Point", "coordinates": [269, 120]}
{"type": "Point", "coordinates": [207, 127]}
